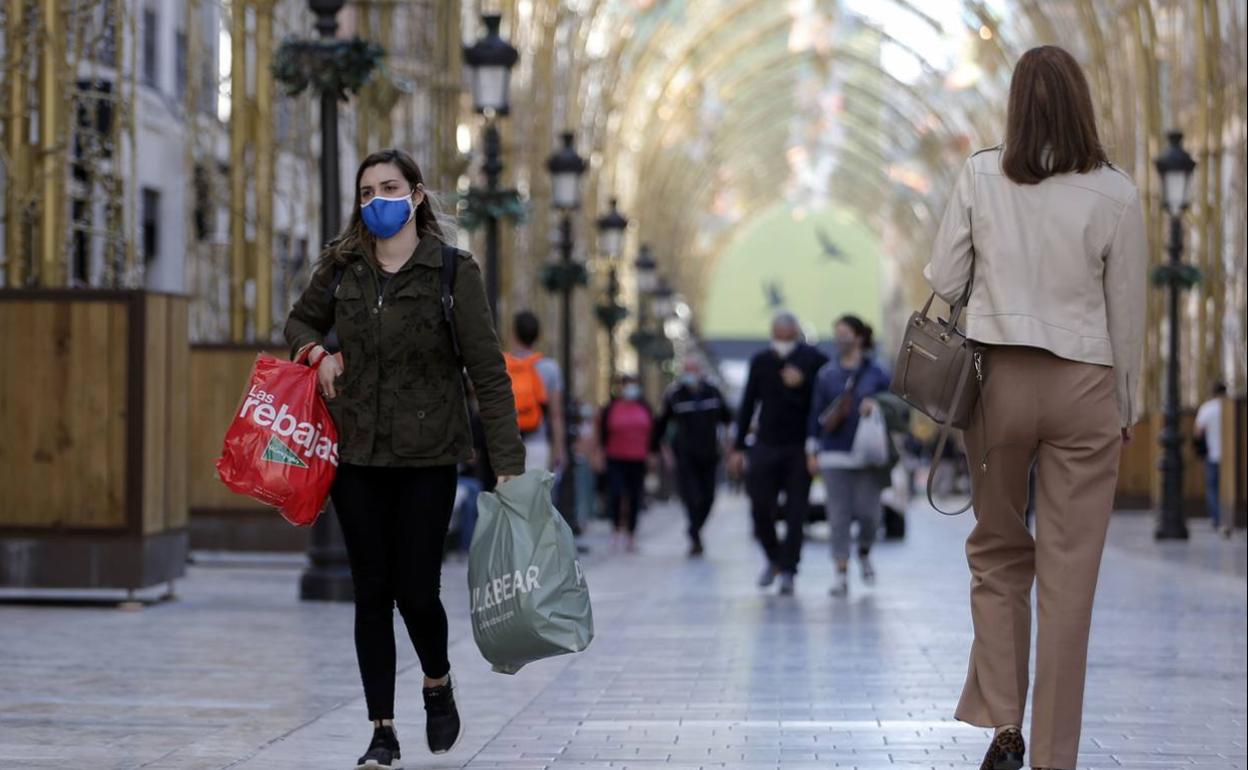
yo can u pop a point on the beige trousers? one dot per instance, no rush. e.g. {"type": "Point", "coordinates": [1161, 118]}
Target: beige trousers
{"type": "Point", "coordinates": [1063, 417]}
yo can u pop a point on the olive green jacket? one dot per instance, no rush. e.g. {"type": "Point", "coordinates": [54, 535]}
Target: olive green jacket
{"type": "Point", "coordinates": [400, 400]}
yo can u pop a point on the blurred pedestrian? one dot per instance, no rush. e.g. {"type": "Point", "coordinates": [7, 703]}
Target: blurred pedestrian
{"type": "Point", "coordinates": [624, 428]}
{"type": "Point", "coordinates": [586, 478]}
{"type": "Point", "coordinates": [1209, 448]}
{"type": "Point", "coordinates": [843, 398]}
{"type": "Point", "coordinates": [398, 401]}
{"type": "Point", "coordinates": [537, 384]}
{"type": "Point", "coordinates": [693, 412]}
{"type": "Point", "coordinates": [1048, 239]}
{"type": "Point", "coordinates": [779, 386]}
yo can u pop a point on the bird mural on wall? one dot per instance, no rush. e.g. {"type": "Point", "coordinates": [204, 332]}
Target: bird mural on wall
{"type": "Point", "coordinates": [831, 252]}
{"type": "Point", "coordinates": [773, 294]}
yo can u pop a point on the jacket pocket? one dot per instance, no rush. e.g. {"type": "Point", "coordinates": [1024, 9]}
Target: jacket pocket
{"type": "Point", "coordinates": [350, 308]}
{"type": "Point", "coordinates": [419, 307]}
{"type": "Point", "coordinates": [420, 425]}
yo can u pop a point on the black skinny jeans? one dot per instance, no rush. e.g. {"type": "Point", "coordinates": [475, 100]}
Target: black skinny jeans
{"type": "Point", "coordinates": [626, 484]}
{"type": "Point", "coordinates": [394, 522]}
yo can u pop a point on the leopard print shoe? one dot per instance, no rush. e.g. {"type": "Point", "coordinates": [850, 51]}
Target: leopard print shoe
{"type": "Point", "coordinates": [1006, 752]}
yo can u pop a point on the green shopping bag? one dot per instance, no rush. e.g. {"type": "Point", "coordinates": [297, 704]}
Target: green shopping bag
{"type": "Point", "coordinates": [529, 597]}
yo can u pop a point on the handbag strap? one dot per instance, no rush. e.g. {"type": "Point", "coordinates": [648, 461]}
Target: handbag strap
{"type": "Point", "coordinates": [955, 310]}
{"type": "Point", "coordinates": [955, 313]}
{"type": "Point", "coordinates": [945, 427]}
{"type": "Point", "coordinates": [851, 382]}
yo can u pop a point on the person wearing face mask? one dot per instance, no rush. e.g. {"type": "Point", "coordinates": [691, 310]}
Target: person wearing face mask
{"type": "Point", "coordinates": [778, 388]}
{"type": "Point", "coordinates": [844, 390]}
{"type": "Point", "coordinates": [696, 409]}
{"type": "Point", "coordinates": [624, 428]}
{"type": "Point", "coordinates": [398, 399]}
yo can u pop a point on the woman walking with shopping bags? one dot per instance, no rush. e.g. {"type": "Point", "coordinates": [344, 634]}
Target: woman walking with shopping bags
{"type": "Point", "coordinates": [410, 314]}
{"type": "Point", "coordinates": [842, 403]}
{"type": "Point", "coordinates": [1051, 240]}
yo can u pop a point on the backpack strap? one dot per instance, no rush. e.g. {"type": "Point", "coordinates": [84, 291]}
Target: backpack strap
{"type": "Point", "coordinates": [450, 267]}
{"type": "Point", "coordinates": [331, 343]}
{"type": "Point", "coordinates": [335, 282]}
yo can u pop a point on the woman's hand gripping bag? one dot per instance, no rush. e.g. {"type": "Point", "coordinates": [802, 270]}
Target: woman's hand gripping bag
{"type": "Point", "coordinates": [528, 592]}
{"type": "Point", "coordinates": [282, 447]}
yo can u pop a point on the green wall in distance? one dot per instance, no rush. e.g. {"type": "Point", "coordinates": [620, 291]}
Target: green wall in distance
{"type": "Point", "coordinates": [819, 265]}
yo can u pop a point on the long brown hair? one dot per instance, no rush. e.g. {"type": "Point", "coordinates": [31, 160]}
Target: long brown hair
{"type": "Point", "coordinates": [1051, 127]}
{"type": "Point", "coordinates": [355, 239]}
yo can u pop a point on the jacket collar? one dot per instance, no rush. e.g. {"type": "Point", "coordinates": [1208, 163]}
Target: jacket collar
{"type": "Point", "coordinates": [428, 253]}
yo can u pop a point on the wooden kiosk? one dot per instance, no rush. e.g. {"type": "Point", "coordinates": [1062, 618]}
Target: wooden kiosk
{"type": "Point", "coordinates": [93, 438]}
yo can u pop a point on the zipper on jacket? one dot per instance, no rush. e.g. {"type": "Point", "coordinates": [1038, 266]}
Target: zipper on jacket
{"type": "Point", "coordinates": [380, 290]}
{"type": "Point", "coordinates": [377, 357]}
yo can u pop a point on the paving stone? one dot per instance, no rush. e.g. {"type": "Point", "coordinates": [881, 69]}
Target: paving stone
{"type": "Point", "coordinates": [693, 667]}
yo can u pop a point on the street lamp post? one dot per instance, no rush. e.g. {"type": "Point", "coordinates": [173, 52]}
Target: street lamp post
{"type": "Point", "coordinates": [664, 308]}
{"type": "Point", "coordinates": [611, 227]}
{"type": "Point", "coordinates": [647, 280]}
{"type": "Point", "coordinates": [615, 312]}
{"type": "Point", "coordinates": [566, 168]}
{"type": "Point", "coordinates": [1175, 166]}
{"type": "Point", "coordinates": [490, 60]}
{"type": "Point", "coordinates": [664, 300]}
{"type": "Point", "coordinates": [328, 576]}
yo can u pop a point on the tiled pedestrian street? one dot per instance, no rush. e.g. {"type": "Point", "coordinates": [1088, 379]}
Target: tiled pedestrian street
{"type": "Point", "coordinates": [693, 667]}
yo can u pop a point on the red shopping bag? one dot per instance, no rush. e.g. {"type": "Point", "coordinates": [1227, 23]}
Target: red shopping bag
{"type": "Point", "coordinates": [282, 447]}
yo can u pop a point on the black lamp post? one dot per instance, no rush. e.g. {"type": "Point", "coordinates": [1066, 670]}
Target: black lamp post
{"type": "Point", "coordinates": [328, 575]}
{"type": "Point", "coordinates": [664, 300]}
{"type": "Point", "coordinates": [647, 280]}
{"type": "Point", "coordinates": [566, 168]}
{"type": "Point", "coordinates": [610, 314]}
{"type": "Point", "coordinates": [664, 309]}
{"type": "Point", "coordinates": [1175, 166]}
{"type": "Point", "coordinates": [490, 60]}
{"type": "Point", "coordinates": [611, 227]}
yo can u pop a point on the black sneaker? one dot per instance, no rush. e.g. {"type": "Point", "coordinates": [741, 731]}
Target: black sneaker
{"type": "Point", "coordinates": [442, 726]}
{"type": "Point", "coordinates": [695, 546]}
{"type": "Point", "coordinates": [383, 752]}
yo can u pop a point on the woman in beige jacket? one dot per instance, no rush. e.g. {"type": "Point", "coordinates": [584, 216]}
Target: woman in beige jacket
{"type": "Point", "coordinates": [1051, 239]}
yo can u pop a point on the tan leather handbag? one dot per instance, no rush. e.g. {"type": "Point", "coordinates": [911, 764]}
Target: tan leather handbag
{"type": "Point", "coordinates": [940, 372]}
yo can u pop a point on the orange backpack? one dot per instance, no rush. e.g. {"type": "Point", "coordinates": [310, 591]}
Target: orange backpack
{"type": "Point", "coordinates": [528, 389]}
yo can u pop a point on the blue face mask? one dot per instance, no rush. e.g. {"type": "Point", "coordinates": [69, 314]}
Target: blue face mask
{"type": "Point", "coordinates": [385, 217]}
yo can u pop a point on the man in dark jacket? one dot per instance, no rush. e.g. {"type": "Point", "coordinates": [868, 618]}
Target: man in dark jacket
{"type": "Point", "coordinates": [779, 388]}
{"type": "Point", "coordinates": [696, 409]}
